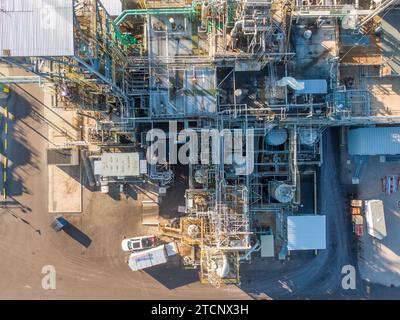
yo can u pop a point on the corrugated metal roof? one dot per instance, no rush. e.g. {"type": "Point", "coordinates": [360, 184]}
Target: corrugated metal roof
{"type": "Point", "coordinates": [36, 28]}
{"type": "Point", "coordinates": [306, 232]}
{"type": "Point", "coordinates": [374, 141]}
{"type": "Point", "coordinates": [147, 258]}
{"type": "Point", "coordinates": [113, 7]}
{"type": "Point", "coordinates": [313, 86]}
{"type": "Point", "coordinates": [120, 164]}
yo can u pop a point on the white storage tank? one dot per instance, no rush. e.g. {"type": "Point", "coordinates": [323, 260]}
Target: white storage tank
{"type": "Point", "coordinates": [281, 191]}
{"type": "Point", "coordinates": [308, 136]}
{"type": "Point", "coordinates": [276, 137]}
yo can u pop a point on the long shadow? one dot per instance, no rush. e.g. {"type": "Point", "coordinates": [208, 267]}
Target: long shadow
{"type": "Point", "coordinates": [131, 192]}
{"type": "Point", "coordinates": [172, 277]}
{"type": "Point", "coordinates": [36, 131]}
{"type": "Point", "coordinates": [11, 202]}
{"type": "Point", "coordinates": [28, 106]}
{"type": "Point", "coordinates": [75, 172]}
{"type": "Point", "coordinates": [19, 218]}
{"type": "Point", "coordinates": [20, 153]}
{"type": "Point", "coordinates": [33, 100]}
{"type": "Point", "coordinates": [77, 235]}
{"type": "Point", "coordinates": [114, 191]}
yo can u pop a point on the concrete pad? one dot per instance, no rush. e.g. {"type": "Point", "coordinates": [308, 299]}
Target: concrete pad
{"type": "Point", "coordinates": [379, 260]}
{"type": "Point", "coordinates": [65, 190]}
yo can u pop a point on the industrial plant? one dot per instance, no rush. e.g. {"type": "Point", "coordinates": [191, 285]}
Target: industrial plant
{"type": "Point", "coordinates": [244, 90]}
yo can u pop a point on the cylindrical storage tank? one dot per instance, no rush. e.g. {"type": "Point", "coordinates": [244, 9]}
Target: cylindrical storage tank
{"type": "Point", "coordinates": [281, 191]}
{"type": "Point", "coordinates": [307, 34]}
{"type": "Point", "coordinates": [308, 136]}
{"type": "Point", "coordinates": [193, 231]}
{"type": "Point", "coordinates": [276, 137]}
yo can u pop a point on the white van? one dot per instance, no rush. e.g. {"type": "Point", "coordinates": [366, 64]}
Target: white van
{"type": "Point", "coordinates": [152, 257]}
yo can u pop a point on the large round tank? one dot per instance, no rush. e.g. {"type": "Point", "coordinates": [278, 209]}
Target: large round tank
{"type": "Point", "coordinates": [308, 136]}
{"type": "Point", "coordinates": [193, 231]}
{"type": "Point", "coordinates": [276, 137]}
{"type": "Point", "coordinates": [282, 192]}
{"type": "Point", "coordinates": [349, 22]}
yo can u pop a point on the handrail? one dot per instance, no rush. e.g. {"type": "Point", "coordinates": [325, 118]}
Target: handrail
{"type": "Point", "coordinates": [155, 11]}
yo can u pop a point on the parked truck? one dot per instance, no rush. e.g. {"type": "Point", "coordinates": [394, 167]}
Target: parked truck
{"type": "Point", "coordinates": [152, 257]}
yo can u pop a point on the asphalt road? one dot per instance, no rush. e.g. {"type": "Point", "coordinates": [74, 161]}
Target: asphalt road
{"type": "Point", "coordinates": [320, 277]}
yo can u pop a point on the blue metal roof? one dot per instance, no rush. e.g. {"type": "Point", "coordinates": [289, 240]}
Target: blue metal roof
{"type": "Point", "coordinates": [355, 40]}
{"type": "Point", "coordinates": [314, 86]}
{"type": "Point", "coordinates": [374, 141]}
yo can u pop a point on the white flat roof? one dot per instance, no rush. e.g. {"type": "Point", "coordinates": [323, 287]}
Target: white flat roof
{"type": "Point", "coordinates": [36, 28]}
{"type": "Point", "coordinates": [375, 216]}
{"type": "Point", "coordinates": [120, 164]}
{"type": "Point", "coordinates": [306, 232]}
{"type": "Point", "coordinates": [267, 246]}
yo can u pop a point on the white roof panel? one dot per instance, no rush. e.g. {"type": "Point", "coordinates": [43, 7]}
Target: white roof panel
{"type": "Point", "coordinates": [374, 141]}
{"type": "Point", "coordinates": [267, 246]}
{"type": "Point", "coordinates": [148, 258]}
{"type": "Point", "coordinates": [375, 216]}
{"type": "Point", "coordinates": [313, 86]}
{"type": "Point", "coordinates": [36, 28]}
{"type": "Point", "coordinates": [306, 232]}
{"type": "Point", "coordinates": [113, 7]}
